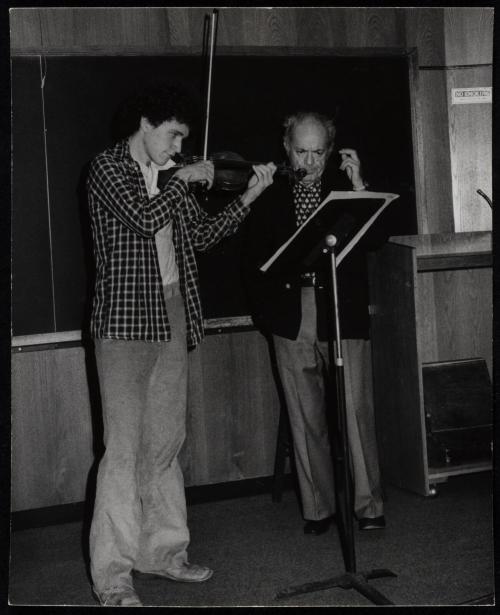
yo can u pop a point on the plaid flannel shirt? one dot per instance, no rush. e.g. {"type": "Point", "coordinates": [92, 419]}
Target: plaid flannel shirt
{"type": "Point", "coordinates": [128, 302]}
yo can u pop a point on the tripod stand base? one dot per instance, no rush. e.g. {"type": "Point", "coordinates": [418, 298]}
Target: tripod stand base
{"type": "Point", "coordinates": [348, 580]}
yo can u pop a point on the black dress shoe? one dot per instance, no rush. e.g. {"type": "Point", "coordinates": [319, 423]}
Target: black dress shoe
{"type": "Point", "coordinates": [318, 527]}
{"type": "Point", "coordinates": [372, 523]}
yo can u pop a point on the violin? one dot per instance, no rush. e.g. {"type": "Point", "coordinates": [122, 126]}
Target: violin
{"type": "Point", "coordinates": [231, 171]}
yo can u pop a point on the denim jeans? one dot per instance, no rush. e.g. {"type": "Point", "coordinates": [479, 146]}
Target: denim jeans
{"type": "Point", "coordinates": [302, 364]}
{"type": "Point", "coordinates": [140, 519]}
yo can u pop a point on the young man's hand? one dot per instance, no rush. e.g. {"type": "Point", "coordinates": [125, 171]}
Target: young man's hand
{"type": "Point", "coordinates": [202, 171]}
{"type": "Point", "coordinates": [262, 178]}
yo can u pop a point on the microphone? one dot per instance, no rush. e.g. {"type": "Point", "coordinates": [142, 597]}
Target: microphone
{"type": "Point", "coordinates": [331, 241]}
{"type": "Point", "coordinates": [487, 199]}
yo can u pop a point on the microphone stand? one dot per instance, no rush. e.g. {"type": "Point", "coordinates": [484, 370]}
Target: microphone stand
{"type": "Point", "coordinates": [351, 579]}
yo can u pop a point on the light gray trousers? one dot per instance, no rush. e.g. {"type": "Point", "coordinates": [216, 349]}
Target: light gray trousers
{"type": "Point", "coordinates": [140, 519]}
{"type": "Point", "coordinates": [302, 364]}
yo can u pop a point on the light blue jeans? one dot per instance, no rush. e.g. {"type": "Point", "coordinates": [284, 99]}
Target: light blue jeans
{"type": "Point", "coordinates": [140, 519]}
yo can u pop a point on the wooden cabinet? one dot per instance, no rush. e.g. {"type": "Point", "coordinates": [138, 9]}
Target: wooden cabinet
{"type": "Point", "coordinates": [430, 301]}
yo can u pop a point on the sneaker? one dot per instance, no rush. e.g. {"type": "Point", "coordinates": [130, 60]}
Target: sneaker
{"type": "Point", "coordinates": [372, 523]}
{"type": "Point", "coordinates": [187, 573]}
{"type": "Point", "coordinates": [123, 595]}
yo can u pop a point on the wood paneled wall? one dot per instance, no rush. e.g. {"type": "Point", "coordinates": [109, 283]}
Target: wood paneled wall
{"type": "Point", "coordinates": [470, 128]}
{"type": "Point", "coordinates": [233, 412]}
{"type": "Point", "coordinates": [454, 46]}
{"type": "Point", "coordinates": [469, 56]}
{"type": "Point", "coordinates": [52, 436]}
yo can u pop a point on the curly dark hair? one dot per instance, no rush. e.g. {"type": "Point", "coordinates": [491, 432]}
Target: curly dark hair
{"type": "Point", "coordinates": [157, 102]}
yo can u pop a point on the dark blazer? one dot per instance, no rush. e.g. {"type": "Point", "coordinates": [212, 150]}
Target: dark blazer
{"type": "Point", "coordinates": [275, 300]}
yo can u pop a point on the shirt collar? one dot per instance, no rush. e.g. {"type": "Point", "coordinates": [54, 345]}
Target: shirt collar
{"type": "Point", "coordinates": [316, 185]}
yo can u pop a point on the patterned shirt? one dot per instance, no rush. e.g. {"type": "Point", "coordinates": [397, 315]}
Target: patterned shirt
{"type": "Point", "coordinates": [129, 302]}
{"type": "Point", "coordinates": [306, 200]}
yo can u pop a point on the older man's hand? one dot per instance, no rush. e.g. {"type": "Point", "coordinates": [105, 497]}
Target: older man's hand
{"type": "Point", "coordinates": [351, 164]}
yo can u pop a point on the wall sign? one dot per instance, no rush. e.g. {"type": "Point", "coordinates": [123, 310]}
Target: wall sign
{"type": "Point", "coordinates": [468, 96]}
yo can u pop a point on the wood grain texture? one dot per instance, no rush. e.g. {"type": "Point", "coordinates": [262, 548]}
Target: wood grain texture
{"type": "Point", "coordinates": [435, 211]}
{"type": "Point", "coordinates": [456, 315]}
{"type": "Point", "coordinates": [471, 134]}
{"type": "Point", "coordinates": [350, 27]}
{"type": "Point", "coordinates": [454, 308]}
{"type": "Point", "coordinates": [231, 426]}
{"type": "Point", "coordinates": [233, 410]}
{"type": "Point", "coordinates": [468, 35]}
{"type": "Point", "coordinates": [322, 27]}
{"type": "Point", "coordinates": [455, 261]}
{"type": "Point", "coordinates": [418, 143]}
{"type": "Point", "coordinates": [396, 368]}
{"type": "Point", "coordinates": [262, 27]}
{"type": "Point", "coordinates": [425, 314]}
{"type": "Point", "coordinates": [52, 446]}
{"type": "Point", "coordinates": [425, 31]}
{"type": "Point", "coordinates": [25, 31]}
{"type": "Point", "coordinates": [196, 17]}
{"type": "Point", "coordinates": [152, 30]}
{"type": "Point", "coordinates": [374, 27]}
{"type": "Point", "coordinates": [179, 22]}
{"type": "Point", "coordinates": [97, 30]}
{"type": "Point", "coordinates": [422, 317]}
{"type": "Point", "coordinates": [447, 243]}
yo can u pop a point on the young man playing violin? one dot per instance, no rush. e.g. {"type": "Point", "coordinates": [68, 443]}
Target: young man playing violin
{"type": "Point", "coordinates": [146, 315]}
{"type": "Point", "coordinates": [291, 310]}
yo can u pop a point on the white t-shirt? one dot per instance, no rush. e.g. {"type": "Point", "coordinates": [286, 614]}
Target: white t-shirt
{"type": "Point", "coordinates": [163, 238]}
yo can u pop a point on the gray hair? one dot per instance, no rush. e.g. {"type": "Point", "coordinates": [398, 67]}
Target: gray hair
{"type": "Point", "coordinates": [291, 121]}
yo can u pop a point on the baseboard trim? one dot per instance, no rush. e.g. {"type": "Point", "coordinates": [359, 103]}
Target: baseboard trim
{"type": "Point", "coordinates": [78, 511]}
{"type": "Point", "coordinates": [49, 515]}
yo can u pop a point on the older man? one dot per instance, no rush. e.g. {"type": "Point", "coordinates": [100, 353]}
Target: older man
{"type": "Point", "coordinates": [291, 309]}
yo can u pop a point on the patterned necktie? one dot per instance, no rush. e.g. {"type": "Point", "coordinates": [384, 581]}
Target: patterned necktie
{"type": "Point", "coordinates": [306, 200]}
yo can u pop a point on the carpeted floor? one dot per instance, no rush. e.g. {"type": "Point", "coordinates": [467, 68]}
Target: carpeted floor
{"type": "Point", "coordinates": [440, 548]}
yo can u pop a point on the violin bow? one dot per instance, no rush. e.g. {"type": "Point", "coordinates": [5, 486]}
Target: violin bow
{"type": "Point", "coordinates": [213, 30]}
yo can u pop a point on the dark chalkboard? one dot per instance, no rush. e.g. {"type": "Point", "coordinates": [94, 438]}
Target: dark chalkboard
{"type": "Point", "coordinates": [52, 252]}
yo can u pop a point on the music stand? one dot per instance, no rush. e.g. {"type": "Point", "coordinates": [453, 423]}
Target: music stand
{"type": "Point", "coordinates": [348, 227]}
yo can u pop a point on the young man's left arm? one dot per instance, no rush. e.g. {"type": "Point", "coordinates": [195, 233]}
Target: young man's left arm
{"type": "Point", "coordinates": [207, 230]}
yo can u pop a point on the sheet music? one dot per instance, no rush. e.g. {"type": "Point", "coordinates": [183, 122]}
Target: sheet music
{"type": "Point", "coordinates": [343, 195]}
